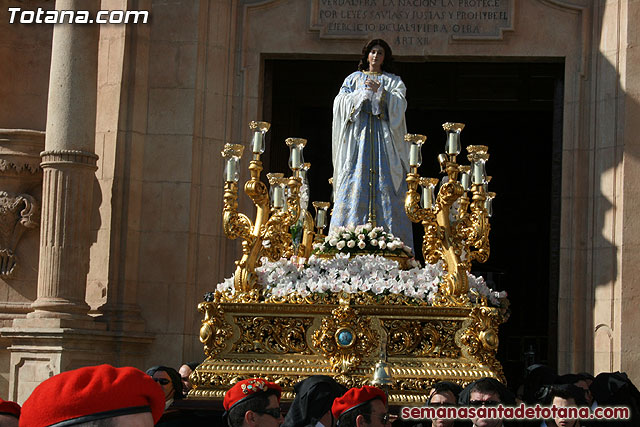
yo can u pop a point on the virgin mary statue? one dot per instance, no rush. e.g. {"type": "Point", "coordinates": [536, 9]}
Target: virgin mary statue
{"type": "Point", "coordinates": [370, 156]}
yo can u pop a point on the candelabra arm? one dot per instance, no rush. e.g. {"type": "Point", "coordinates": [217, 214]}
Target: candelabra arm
{"type": "Point", "coordinates": [306, 246]}
{"type": "Point", "coordinates": [432, 240]}
{"type": "Point", "coordinates": [244, 278]}
{"type": "Point", "coordinates": [478, 227]}
{"type": "Point", "coordinates": [234, 224]}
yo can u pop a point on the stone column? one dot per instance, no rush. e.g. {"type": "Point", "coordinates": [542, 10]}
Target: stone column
{"type": "Point", "coordinates": [69, 165]}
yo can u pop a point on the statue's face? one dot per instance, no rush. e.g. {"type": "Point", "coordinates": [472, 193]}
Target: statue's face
{"type": "Point", "coordinates": [376, 58]}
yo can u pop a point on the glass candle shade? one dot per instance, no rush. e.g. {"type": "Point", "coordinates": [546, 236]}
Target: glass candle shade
{"type": "Point", "coordinates": [465, 178]}
{"type": "Point", "coordinates": [278, 196]}
{"type": "Point", "coordinates": [415, 152]}
{"type": "Point", "coordinates": [488, 203]}
{"type": "Point", "coordinates": [321, 218]}
{"type": "Point", "coordinates": [452, 145]}
{"type": "Point", "coordinates": [296, 159]}
{"type": "Point", "coordinates": [231, 170]}
{"type": "Point", "coordinates": [232, 154]}
{"type": "Point", "coordinates": [321, 213]}
{"type": "Point", "coordinates": [478, 172]}
{"type": "Point", "coordinates": [257, 142]}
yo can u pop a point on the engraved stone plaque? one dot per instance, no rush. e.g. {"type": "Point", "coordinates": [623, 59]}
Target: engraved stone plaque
{"type": "Point", "coordinates": [412, 22]}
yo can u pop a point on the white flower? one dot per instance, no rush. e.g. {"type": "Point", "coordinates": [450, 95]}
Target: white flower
{"type": "Point", "coordinates": [382, 244]}
{"type": "Point", "coordinates": [374, 242]}
{"type": "Point", "coordinates": [340, 244]}
{"type": "Point", "coordinates": [373, 235]}
{"type": "Point", "coordinates": [346, 235]}
{"type": "Point", "coordinates": [368, 226]}
{"type": "Point", "coordinates": [333, 242]}
{"type": "Point", "coordinates": [351, 243]}
{"type": "Point", "coordinates": [362, 244]}
{"type": "Point", "coordinates": [361, 236]}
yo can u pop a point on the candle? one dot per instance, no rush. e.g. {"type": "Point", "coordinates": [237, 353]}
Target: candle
{"type": "Point", "coordinates": [231, 170]}
{"type": "Point", "coordinates": [414, 155]}
{"type": "Point", "coordinates": [478, 172]}
{"type": "Point", "coordinates": [257, 145]}
{"type": "Point", "coordinates": [464, 180]}
{"type": "Point", "coordinates": [488, 205]}
{"type": "Point", "coordinates": [453, 144]}
{"type": "Point", "coordinates": [321, 218]}
{"type": "Point", "coordinates": [295, 157]}
{"type": "Point", "coordinates": [278, 197]}
{"type": "Point", "coordinates": [427, 197]}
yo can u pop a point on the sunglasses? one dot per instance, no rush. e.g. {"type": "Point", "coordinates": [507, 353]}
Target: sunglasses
{"type": "Point", "coordinates": [478, 403]}
{"type": "Point", "coordinates": [162, 381]}
{"type": "Point", "coordinates": [384, 418]}
{"type": "Point", "coordinates": [274, 412]}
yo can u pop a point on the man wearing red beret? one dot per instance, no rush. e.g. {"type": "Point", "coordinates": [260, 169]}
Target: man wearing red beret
{"type": "Point", "coordinates": [253, 403]}
{"type": "Point", "coordinates": [113, 397]}
{"type": "Point", "coordinates": [361, 407]}
{"type": "Point", "coordinates": [9, 413]}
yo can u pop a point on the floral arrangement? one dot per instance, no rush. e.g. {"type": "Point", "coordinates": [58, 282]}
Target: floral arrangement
{"type": "Point", "coordinates": [361, 238]}
{"type": "Point", "coordinates": [362, 273]}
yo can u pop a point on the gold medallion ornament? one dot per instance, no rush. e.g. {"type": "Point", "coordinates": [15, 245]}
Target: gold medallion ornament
{"type": "Point", "coordinates": [345, 337]}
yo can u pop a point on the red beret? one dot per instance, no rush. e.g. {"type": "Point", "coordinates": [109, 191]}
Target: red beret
{"type": "Point", "coordinates": [9, 408]}
{"type": "Point", "coordinates": [91, 393]}
{"type": "Point", "coordinates": [248, 388]}
{"type": "Point", "coordinates": [356, 397]}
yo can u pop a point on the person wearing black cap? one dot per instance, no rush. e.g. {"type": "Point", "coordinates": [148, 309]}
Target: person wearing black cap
{"type": "Point", "coordinates": [563, 396]}
{"type": "Point", "coordinates": [486, 392]}
{"type": "Point", "coordinates": [443, 394]}
{"type": "Point", "coordinates": [312, 404]}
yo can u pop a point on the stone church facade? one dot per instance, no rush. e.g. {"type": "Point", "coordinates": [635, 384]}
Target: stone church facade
{"type": "Point", "coordinates": [111, 175]}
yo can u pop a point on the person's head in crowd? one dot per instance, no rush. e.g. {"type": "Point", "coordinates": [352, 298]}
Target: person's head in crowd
{"type": "Point", "coordinates": [361, 407]}
{"type": "Point", "coordinates": [313, 401]}
{"type": "Point", "coordinates": [443, 394]}
{"type": "Point", "coordinates": [578, 380]}
{"type": "Point", "coordinates": [566, 395]}
{"type": "Point", "coordinates": [486, 392]}
{"type": "Point", "coordinates": [254, 402]}
{"type": "Point", "coordinates": [170, 381]}
{"type": "Point", "coordinates": [184, 371]}
{"type": "Point", "coordinates": [9, 413]}
{"type": "Point", "coordinates": [537, 377]}
{"type": "Point", "coordinates": [95, 395]}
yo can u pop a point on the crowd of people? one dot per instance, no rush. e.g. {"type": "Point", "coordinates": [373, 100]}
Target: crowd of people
{"type": "Point", "coordinates": [106, 396]}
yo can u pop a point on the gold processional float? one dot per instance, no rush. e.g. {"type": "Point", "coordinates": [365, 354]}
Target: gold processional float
{"type": "Point", "coordinates": [402, 327]}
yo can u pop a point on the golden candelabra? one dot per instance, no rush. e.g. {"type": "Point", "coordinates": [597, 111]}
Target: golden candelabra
{"type": "Point", "coordinates": [276, 209]}
{"type": "Point", "coordinates": [456, 224]}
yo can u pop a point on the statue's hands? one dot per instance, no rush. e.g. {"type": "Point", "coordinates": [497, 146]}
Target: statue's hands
{"type": "Point", "coordinates": [372, 85]}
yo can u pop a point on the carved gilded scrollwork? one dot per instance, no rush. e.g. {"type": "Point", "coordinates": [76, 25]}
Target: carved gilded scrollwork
{"type": "Point", "coordinates": [274, 335]}
{"type": "Point", "coordinates": [215, 331]}
{"type": "Point", "coordinates": [345, 338]}
{"type": "Point", "coordinates": [18, 213]}
{"type": "Point", "coordinates": [478, 337]}
{"type": "Point", "coordinates": [430, 338]}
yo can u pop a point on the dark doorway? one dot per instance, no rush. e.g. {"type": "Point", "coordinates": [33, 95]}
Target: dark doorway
{"type": "Point", "coordinates": [513, 107]}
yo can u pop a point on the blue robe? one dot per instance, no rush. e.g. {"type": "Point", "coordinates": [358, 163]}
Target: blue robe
{"type": "Point", "coordinates": [370, 156]}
